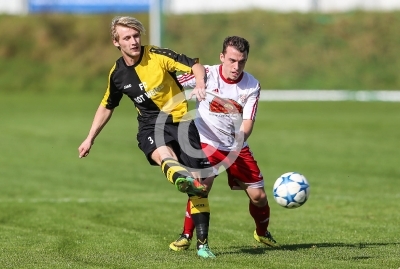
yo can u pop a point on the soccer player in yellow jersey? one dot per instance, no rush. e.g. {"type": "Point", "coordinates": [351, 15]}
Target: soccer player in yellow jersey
{"type": "Point", "coordinates": [166, 135]}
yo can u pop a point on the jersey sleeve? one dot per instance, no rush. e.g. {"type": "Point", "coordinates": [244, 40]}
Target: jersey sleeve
{"type": "Point", "coordinates": [112, 96]}
{"type": "Point", "coordinates": [188, 80]}
{"type": "Point", "coordinates": [250, 108]}
{"type": "Point", "coordinates": [173, 61]}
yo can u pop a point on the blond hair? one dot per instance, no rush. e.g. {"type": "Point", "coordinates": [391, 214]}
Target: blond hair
{"type": "Point", "coordinates": [125, 21]}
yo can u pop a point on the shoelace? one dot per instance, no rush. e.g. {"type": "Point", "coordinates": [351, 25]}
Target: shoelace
{"type": "Point", "coordinates": [269, 236]}
{"type": "Point", "coordinates": [182, 237]}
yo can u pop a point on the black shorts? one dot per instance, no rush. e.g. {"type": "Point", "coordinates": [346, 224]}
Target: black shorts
{"type": "Point", "coordinates": [183, 137]}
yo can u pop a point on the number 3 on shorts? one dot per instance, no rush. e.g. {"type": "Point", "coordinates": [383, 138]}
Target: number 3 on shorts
{"type": "Point", "coordinates": [150, 140]}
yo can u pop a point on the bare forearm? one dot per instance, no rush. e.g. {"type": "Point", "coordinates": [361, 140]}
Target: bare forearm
{"type": "Point", "coordinates": [101, 118]}
{"type": "Point", "coordinates": [247, 128]}
{"type": "Point", "coordinates": [199, 73]}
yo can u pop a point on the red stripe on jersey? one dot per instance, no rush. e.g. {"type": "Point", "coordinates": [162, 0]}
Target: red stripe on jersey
{"type": "Point", "coordinates": [254, 111]}
{"type": "Point", "coordinates": [185, 77]}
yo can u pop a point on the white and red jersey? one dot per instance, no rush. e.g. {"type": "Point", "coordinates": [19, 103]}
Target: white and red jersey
{"type": "Point", "coordinates": [227, 104]}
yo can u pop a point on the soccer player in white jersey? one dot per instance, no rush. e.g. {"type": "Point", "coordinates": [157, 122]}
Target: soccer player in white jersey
{"type": "Point", "coordinates": [225, 116]}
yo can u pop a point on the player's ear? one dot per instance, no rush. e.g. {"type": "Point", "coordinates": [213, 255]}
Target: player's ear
{"type": "Point", "coordinates": [221, 57]}
{"type": "Point", "coordinates": [116, 43]}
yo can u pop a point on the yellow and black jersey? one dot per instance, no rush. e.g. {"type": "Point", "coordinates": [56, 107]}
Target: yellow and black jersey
{"type": "Point", "coordinates": [151, 84]}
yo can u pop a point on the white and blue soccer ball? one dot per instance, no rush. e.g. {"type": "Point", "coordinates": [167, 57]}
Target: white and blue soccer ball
{"type": "Point", "coordinates": [291, 190]}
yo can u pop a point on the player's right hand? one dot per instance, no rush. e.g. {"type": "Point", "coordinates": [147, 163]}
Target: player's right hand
{"type": "Point", "coordinates": [84, 148]}
{"type": "Point", "coordinates": [200, 94]}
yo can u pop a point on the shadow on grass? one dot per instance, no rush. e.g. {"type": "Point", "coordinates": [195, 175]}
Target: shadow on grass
{"type": "Point", "coordinates": [255, 250]}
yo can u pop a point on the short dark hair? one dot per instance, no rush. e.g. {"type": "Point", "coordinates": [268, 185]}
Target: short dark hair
{"type": "Point", "coordinates": [237, 42]}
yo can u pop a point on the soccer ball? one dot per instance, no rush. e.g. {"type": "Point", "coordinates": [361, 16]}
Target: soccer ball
{"type": "Point", "coordinates": [291, 190]}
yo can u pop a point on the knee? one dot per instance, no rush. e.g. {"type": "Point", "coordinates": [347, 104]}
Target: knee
{"type": "Point", "coordinates": [259, 198]}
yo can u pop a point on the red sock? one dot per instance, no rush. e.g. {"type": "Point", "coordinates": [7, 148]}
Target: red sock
{"type": "Point", "coordinates": [188, 224]}
{"type": "Point", "coordinates": [261, 217]}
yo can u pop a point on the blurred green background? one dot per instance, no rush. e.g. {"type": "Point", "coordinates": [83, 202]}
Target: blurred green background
{"type": "Point", "coordinates": [113, 210]}
{"type": "Point", "coordinates": [74, 53]}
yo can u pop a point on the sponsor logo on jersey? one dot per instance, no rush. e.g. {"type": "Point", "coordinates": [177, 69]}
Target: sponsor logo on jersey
{"type": "Point", "coordinates": [225, 106]}
{"type": "Point", "coordinates": [127, 86]}
{"type": "Point", "coordinates": [242, 98]}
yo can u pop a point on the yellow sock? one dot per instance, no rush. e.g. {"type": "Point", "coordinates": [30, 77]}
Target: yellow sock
{"type": "Point", "coordinates": [172, 170]}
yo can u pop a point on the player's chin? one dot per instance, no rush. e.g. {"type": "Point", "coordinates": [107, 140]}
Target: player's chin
{"type": "Point", "coordinates": [135, 51]}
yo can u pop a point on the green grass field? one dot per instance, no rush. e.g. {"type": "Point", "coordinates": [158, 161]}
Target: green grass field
{"type": "Point", "coordinates": [113, 210]}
